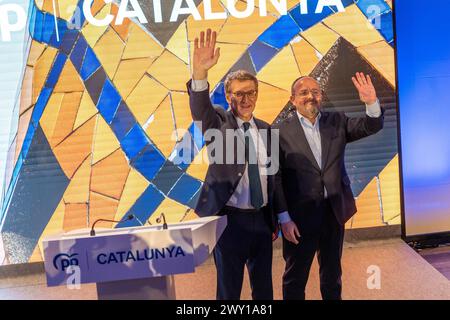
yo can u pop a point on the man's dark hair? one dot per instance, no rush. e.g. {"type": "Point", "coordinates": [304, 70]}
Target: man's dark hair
{"type": "Point", "coordinates": [240, 75]}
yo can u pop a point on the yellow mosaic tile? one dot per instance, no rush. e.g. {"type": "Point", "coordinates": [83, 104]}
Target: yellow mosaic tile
{"type": "Point", "coordinates": [78, 189]}
{"type": "Point", "coordinates": [41, 70]}
{"type": "Point", "coordinates": [69, 80]}
{"type": "Point", "coordinates": [271, 101]}
{"type": "Point", "coordinates": [390, 189]}
{"type": "Point", "coordinates": [26, 93]}
{"type": "Point", "coordinates": [66, 117]}
{"type": "Point", "coordinates": [141, 45]}
{"type": "Point", "coordinates": [173, 211]}
{"type": "Point", "coordinates": [121, 29]}
{"type": "Point", "coordinates": [178, 43]}
{"type": "Point", "coordinates": [50, 115]}
{"type": "Point", "coordinates": [75, 216]}
{"type": "Point", "coordinates": [281, 71]}
{"type": "Point", "coordinates": [109, 49]}
{"type": "Point", "coordinates": [54, 225]}
{"type": "Point", "coordinates": [306, 56]}
{"type": "Point", "coordinates": [194, 27]}
{"type": "Point", "coordinates": [93, 33]}
{"type": "Point", "coordinates": [86, 110]}
{"type": "Point", "coordinates": [169, 70]}
{"type": "Point", "coordinates": [381, 56]}
{"type": "Point", "coordinates": [129, 73]}
{"type": "Point", "coordinates": [145, 98]}
{"type": "Point", "coordinates": [101, 207]}
{"type": "Point", "coordinates": [368, 205]}
{"type": "Point", "coordinates": [36, 50]}
{"type": "Point", "coordinates": [180, 103]}
{"type": "Point", "coordinates": [24, 122]}
{"type": "Point", "coordinates": [320, 37]}
{"type": "Point", "coordinates": [353, 26]}
{"type": "Point", "coordinates": [105, 142]}
{"type": "Point", "coordinates": [135, 185]}
{"type": "Point", "coordinates": [199, 165]}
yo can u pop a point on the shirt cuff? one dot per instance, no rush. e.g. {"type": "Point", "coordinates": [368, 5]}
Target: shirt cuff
{"type": "Point", "coordinates": [199, 85]}
{"type": "Point", "coordinates": [284, 217]}
{"type": "Point", "coordinates": [373, 110]}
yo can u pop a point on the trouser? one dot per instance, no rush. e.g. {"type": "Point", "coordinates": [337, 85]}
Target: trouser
{"type": "Point", "coordinates": [246, 241]}
{"type": "Point", "coordinates": [327, 241]}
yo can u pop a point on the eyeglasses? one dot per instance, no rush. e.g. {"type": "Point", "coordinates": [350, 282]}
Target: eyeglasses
{"type": "Point", "coordinates": [249, 94]}
{"type": "Point", "coordinates": [304, 93]}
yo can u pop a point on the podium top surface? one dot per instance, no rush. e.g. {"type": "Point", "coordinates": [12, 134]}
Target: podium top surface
{"type": "Point", "coordinates": [101, 232]}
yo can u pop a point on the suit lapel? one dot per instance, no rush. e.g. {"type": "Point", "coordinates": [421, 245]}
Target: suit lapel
{"type": "Point", "coordinates": [326, 132]}
{"type": "Point", "coordinates": [298, 135]}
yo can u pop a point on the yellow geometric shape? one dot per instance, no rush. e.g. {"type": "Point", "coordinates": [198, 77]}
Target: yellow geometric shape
{"type": "Point", "coordinates": [390, 190]}
{"type": "Point", "coordinates": [78, 189]}
{"type": "Point", "coordinates": [229, 54]}
{"type": "Point", "coordinates": [26, 92]}
{"type": "Point", "coordinates": [145, 98]}
{"type": "Point", "coordinates": [174, 211]}
{"type": "Point", "coordinates": [69, 80]}
{"type": "Point", "coordinates": [381, 56]}
{"type": "Point", "coordinates": [50, 115]}
{"type": "Point", "coordinates": [101, 207]}
{"type": "Point", "coordinates": [24, 123]}
{"type": "Point", "coordinates": [271, 100]}
{"type": "Point", "coordinates": [75, 148]}
{"type": "Point", "coordinates": [110, 174]}
{"type": "Point", "coordinates": [320, 37]}
{"type": "Point", "coordinates": [162, 127]}
{"type": "Point", "coordinates": [353, 26]}
{"type": "Point", "coordinates": [244, 31]}
{"type": "Point", "coordinates": [199, 166]}
{"type": "Point", "coordinates": [180, 103]}
{"type": "Point", "coordinates": [141, 45]}
{"type": "Point", "coordinates": [105, 142]}
{"type": "Point", "coordinates": [129, 73]}
{"type": "Point", "coordinates": [389, 2]}
{"type": "Point", "coordinates": [395, 220]}
{"type": "Point", "coordinates": [134, 187]}
{"type": "Point", "coordinates": [86, 110]}
{"type": "Point", "coordinates": [178, 43]}
{"type": "Point", "coordinates": [109, 49]}
{"type": "Point", "coordinates": [369, 214]}
{"type": "Point", "coordinates": [281, 71]}
{"type": "Point", "coordinates": [93, 33]}
{"type": "Point", "coordinates": [194, 27]}
{"type": "Point", "coordinates": [55, 224]}
{"type": "Point", "coordinates": [75, 216]}
{"type": "Point", "coordinates": [66, 9]}
{"type": "Point", "coordinates": [305, 54]}
{"type": "Point", "coordinates": [36, 255]}
{"type": "Point", "coordinates": [172, 72]}
{"type": "Point", "coordinates": [66, 117]}
{"type": "Point", "coordinates": [35, 52]}
{"type": "Point", "coordinates": [41, 70]}
{"type": "Point", "coordinates": [123, 28]}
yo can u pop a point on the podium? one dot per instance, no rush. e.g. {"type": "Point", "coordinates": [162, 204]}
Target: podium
{"type": "Point", "coordinates": [131, 263]}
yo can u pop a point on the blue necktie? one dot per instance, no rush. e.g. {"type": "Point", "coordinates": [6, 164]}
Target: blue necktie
{"type": "Point", "coordinates": [256, 196]}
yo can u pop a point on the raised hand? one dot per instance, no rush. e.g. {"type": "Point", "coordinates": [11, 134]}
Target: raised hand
{"type": "Point", "coordinates": [365, 88]}
{"type": "Point", "coordinates": [205, 54]}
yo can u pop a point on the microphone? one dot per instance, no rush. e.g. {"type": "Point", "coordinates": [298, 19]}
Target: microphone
{"type": "Point", "coordinates": [127, 218]}
{"type": "Point", "coordinates": [158, 220]}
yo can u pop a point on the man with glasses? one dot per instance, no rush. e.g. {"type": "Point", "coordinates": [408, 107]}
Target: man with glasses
{"type": "Point", "coordinates": [313, 198]}
{"type": "Point", "coordinates": [242, 190]}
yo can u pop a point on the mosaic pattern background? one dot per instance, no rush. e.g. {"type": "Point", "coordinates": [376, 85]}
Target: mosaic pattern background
{"type": "Point", "coordinates": [93, 123]}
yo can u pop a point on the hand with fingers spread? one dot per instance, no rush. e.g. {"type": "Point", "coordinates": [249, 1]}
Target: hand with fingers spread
{"type": "Point", "coordinates": [205, 54]}
{"type": "Point", "coordinates": [290, 232]}
{"type": "Point", "coordinates": [365, 88]}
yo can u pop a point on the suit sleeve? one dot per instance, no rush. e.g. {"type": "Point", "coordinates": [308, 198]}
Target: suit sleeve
{"type": "Point", "coordinates": [202, 109]}
{"type": "Point", "coordinates": [358, 128]}
{"type": "Point", "coordinates": [280, 204]}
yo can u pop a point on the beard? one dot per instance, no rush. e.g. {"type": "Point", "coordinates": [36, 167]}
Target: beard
{"type": "Point", "coordinates": [312, 107]}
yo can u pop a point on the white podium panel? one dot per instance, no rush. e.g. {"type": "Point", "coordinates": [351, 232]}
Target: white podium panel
{"type": "Point", "coordinates": [114, 255]}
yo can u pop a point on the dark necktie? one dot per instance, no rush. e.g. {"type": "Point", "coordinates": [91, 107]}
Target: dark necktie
{"type": "Point", "coordinates": [256, 195]}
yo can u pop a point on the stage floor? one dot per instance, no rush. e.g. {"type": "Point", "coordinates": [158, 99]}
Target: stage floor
{"type": "Point", "coordinates": [404, 274]}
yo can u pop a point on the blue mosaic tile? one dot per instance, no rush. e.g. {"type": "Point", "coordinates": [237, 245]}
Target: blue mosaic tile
{"type": "Point", "coordinates": [185, 189]}
{"type": "Point", "coordinates": [279, 34]}
{"type": "Point", "coordinates": [261, 53]}
{"type": "Point", "coordinates": [56, 70]}
{"type": "Point", "coordinates": [134, 142]}
{"type": "Point", "coordinates": [306, 21]}
{"type": "Point", "coordinates": [67, 43]}
{"type": "Point", "coordinates": [41, 103]}
{"type": "Point", "coordinates": [123, 121]}
{"type": "Point", "coordinates": [38, 26]}
{"type": "Point", "coordinates": [78, 53]}
{"type": "Point", "coordinates": [48, 28]}
{"type": "Point", "coordinates": [90, 64]}
{"type": "Point", "coordinates": [95, 83]}
{"type": "Point", "coordinates": [148, 162]}
{"type": "Point", "coordinates": [143, 208]}
{"type": "Point", "coordinates": [167, 177]}
{"type": "Point", "coordinates": [218, 96]}
{"type": "Point", "coordinates": [109, 101]}
{"type": "Point", "coordinates": [387, 29]}
{"type": "Point", "coordinates": [373, 7]}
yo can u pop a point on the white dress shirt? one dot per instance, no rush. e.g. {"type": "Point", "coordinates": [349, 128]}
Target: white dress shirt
{"type": "Point", "coordinates": [241, 196]}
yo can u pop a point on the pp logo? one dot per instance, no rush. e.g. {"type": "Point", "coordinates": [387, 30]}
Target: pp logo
{"type": "Point", "coordinates": [63, 261]}
{"type": "Point", "coordinates": [12, 18]}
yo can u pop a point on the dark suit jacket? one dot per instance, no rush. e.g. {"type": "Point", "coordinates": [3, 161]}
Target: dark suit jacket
{"type": "Point", "coordinates": [300, 182]}
{"type": "Point", "coordinates": [222, 179]}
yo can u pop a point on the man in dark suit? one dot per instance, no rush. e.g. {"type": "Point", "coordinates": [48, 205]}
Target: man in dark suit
{"type": "Point", "coordinates": [313, 198]}
{"type": "Point", "coordinates": [240, 188]}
